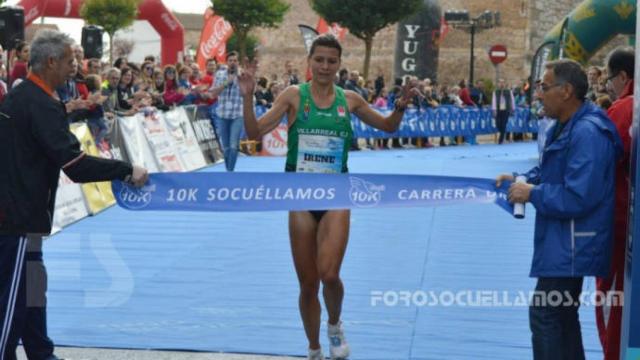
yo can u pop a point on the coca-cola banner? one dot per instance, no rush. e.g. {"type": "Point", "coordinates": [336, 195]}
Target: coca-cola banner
{"type": "Point", "coordinates": [215, 33]}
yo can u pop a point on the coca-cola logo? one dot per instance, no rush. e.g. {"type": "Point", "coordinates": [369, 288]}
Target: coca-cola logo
{"type": "Point", "coordinates": [208, 46]}
{"type": "Point", "coordinates": [220, 29]}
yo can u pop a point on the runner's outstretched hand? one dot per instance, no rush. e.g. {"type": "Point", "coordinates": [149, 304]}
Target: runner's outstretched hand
{"type": "Point", "coordinates": [247, 80]}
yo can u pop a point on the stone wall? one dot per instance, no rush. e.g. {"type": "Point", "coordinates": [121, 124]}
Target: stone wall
{"type": "Point", "coordinates": [285, 43]}
{"type": "Point", "coordinates": [455, 50]}
{"type": "Point", "coordinates": [524, 24]}
{"type": "Point", "coordinates": [545, 14]}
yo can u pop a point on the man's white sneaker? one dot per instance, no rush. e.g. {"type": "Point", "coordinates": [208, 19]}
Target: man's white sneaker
{"type": "Point", "coordinates": [339, 349]}
{"type": "Point", "coordinates": [315, 354]}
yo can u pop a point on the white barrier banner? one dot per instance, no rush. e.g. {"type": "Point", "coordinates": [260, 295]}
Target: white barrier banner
{"type": "Point", "coordinates": [136, 143]}
{"type": "Point", "coordinates": [180, 130]}
{"type": "Point", "coordinates": [70, 203]}
{"type": "Point", "coordinates": [160, 143]}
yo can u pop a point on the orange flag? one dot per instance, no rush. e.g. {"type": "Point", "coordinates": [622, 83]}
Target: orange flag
{"type": "Point", "coordinates": [338, 31]}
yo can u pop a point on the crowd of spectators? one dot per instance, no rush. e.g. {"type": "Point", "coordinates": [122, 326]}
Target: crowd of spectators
{"type": "Point", "coordinates": [99, 92]}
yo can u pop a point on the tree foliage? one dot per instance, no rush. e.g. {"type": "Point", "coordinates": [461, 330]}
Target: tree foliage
{"type": "Point", "coordinates": [364, 18]}
{"type": "Point", "coordinates": [248, 14]}
{"type": "Point", "coordinates": [112, 15]}
{"type": "Point", "coordinates": [251, 44]}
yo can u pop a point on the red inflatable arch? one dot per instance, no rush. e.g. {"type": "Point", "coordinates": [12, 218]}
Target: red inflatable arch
{"type": "Point", "coordinates": [170, 30]}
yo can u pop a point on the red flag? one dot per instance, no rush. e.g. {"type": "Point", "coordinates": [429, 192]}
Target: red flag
{"type": "Point", "coordinates": [437, 36]}
{"type": "Point", "coordinates": [213, 40]}
{"type": "Point", "coordinates": [338, 31]}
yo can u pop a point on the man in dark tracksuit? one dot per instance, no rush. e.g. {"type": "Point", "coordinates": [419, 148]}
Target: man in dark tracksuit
{"type": "Point", "coordinates": [35, 144]}
{"type": "Point", "coordinates": [503, 105]}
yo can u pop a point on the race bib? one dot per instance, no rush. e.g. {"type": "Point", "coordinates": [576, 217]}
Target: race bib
{"type": "Point", "coordinates": [319, 154]}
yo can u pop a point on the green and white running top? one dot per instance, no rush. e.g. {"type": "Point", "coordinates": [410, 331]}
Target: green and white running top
{"type": "Point", "coordinates": [319, 139]}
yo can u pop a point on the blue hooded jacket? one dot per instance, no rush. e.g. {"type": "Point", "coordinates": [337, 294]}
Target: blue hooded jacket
{"type": "Point", "coordinates": [574, 197]}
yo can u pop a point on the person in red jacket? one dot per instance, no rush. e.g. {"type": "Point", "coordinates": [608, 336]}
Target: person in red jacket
{"type": "Point", "coordinates": [172, 94]}
{"type": "Point", "coordinates": [3, 85]}
{"type": "Point", "coordinates": [208, 79]}
{"type": "Point", "coordinates": [3, 76]}
{"type": "Point", "coordinates": [465, 94]}
{"type": "Point", "coordinates": [620, 65]}
{"type": "Point", "coordinates": [210, 72]}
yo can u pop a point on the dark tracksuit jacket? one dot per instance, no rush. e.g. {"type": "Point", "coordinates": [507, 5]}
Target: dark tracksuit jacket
{"type": "Point", "coordinates": [35, 144]}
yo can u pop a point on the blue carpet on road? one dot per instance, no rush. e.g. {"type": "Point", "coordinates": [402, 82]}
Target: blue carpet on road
{"type": "Point", "coordinates": [224, 282]}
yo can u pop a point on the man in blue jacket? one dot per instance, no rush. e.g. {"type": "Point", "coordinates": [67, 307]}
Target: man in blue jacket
{"type": "Point", "coordinates": [573, 191]}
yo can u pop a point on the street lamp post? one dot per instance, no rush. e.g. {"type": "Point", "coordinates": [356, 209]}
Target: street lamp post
{"type": "Point", "coordinates": [473, 58]}
{"type": "Point", "coordinates": [461, 19]}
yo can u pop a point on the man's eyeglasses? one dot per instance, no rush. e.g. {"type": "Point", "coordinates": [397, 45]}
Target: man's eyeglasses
{"type": "Point", "coordinates": [610, 78]}
{"type": "Point", "coordinates": [542, 87]}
